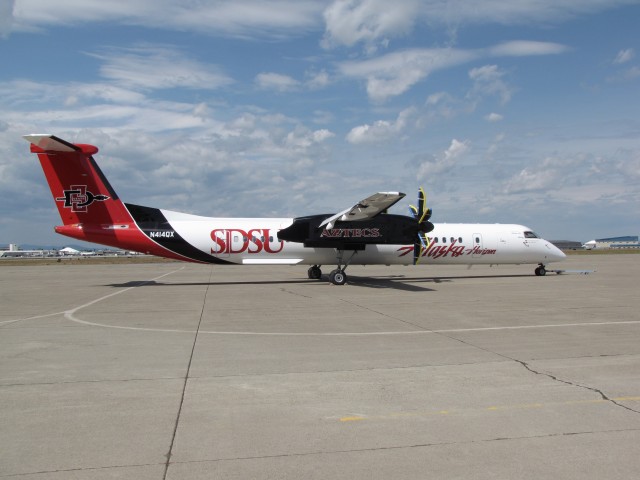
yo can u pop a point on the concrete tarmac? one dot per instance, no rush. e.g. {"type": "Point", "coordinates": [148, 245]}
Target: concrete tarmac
{"type": "Point", "coordinates": [180, 371]}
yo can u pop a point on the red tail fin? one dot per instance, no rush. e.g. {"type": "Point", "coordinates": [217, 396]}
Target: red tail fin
{"type": "Point", "coordinates": [82, 193]}
{"type": "Point", "coordinates": [89, 207]}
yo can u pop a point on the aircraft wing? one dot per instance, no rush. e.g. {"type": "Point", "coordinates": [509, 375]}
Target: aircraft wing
{"type": "Point", "coordinates": [365, 209]}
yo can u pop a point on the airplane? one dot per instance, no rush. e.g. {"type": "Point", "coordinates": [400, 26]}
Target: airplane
{"type": "Point", "coordinates": [363, 234]}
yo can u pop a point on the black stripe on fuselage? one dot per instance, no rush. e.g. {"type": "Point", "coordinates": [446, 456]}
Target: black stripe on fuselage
{"type": "Point", "coordinates": [155, 226]}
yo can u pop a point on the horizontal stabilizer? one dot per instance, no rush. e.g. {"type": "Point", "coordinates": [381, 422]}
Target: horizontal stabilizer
{"type": "Point", "coordinates": [50, 143]}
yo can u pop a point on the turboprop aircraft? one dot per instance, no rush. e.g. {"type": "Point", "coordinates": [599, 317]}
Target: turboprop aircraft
{"type": "Point", "coordinates": [364, 234]}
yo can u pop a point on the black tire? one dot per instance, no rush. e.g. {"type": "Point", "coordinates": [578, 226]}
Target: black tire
{"type": "Point", "coordinates": [314, 273]}
{"type": "Point", "coordinates": [541, 271]}
{"type": "Point", "coordinates": [338, 277]}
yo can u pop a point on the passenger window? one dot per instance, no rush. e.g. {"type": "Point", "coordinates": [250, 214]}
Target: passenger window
{"type": "Point", "coordinates": [477, 239]}
{"type": "Point", "coordinates": [444, 239]}
{"type": "Point", "coordinates": [459, 239]}
{"type": "Point", "coordinates": [453, 240]}
{"type": "Point", "coordinates": [435, 239]}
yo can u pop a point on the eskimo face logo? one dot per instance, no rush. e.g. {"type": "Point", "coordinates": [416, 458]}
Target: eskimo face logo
{"type": "Point", "coordinates": [78, 198]}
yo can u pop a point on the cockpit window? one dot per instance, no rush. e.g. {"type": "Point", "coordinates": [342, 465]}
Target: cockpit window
{"type": "Point", "coordinates": [530, 235]}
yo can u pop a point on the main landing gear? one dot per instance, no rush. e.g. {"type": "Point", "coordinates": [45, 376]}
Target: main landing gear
{"type": "Point", "coordinates": [314, 272]}
{"type": "Point", "coordinates": [540, 271]}
{"type": "Point", "coordinates": [337, 276]}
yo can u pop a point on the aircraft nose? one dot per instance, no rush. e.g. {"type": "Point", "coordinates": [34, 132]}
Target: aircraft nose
{"type": "Point", "coordinates": [554, 253]}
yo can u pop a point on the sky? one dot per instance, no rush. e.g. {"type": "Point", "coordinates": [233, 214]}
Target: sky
{"type": "Point", "coordinates": [505, 112]}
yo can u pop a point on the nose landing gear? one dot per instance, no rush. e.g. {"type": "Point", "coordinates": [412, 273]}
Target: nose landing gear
{"type": "Point", "coordinates": [540, 271]}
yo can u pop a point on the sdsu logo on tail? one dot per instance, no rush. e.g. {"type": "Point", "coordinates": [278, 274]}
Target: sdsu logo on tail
{"type": "Point", "coordinates": [78, 198]}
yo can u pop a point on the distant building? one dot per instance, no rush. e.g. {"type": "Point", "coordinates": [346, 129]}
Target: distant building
{"type": "Point", "coordinates": [567, 244]}
{"type": "Point", "coordinates": [14, 251]}
{"type": "Point", "coordinates": [628, 241]}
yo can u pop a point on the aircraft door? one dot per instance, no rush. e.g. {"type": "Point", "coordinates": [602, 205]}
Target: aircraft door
{"type": "Point", "coordinates": [220, 246]}
{"type": "Point", "coordinates": [477, 245]}
{"type": "Point", "coordinates": [238, 241]}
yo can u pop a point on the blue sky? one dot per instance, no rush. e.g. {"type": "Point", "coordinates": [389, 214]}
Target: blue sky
{"type": "Point", "coordinates": [512, 112]}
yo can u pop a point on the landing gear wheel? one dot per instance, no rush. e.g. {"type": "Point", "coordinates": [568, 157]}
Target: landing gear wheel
{"type": "Point", "coordinates": [338, 277]}
{"type": "Point", "coordinates": [541, 271]}
{"type": "Point", "coordinates": [314, 272]}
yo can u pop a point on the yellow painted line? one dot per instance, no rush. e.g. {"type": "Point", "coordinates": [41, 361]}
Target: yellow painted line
{"type": "Point", "coordinates": [351, 419]}
{"type": "Point", "coordinates": [393, 415]}
{"type": "Point", "coordinates": [626, 399]}
{"type": "Point", "coordinates": [513, 407]}
{"type": "Point", "coordinates": [357, 418]}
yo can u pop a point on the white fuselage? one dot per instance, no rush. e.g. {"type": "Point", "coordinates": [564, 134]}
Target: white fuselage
{"type": "Point", "coordinates": [255, 241]}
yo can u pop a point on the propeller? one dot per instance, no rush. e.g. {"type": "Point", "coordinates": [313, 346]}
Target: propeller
{"type": "Point", "coordinates": [422, 214]}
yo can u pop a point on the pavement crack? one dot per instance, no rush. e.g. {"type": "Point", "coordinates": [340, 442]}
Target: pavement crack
{"type": "Point", "coordinates": [573, 384]}
{"type": "Point", "coordinates": [408, 446]}
{"type": "Point", "coordinates": [77, 469]}
{"type": "Point", "coordinates": [186, 380]}
{"type": "Point", "coordinates": [545, 374]}
{"type": "Point", "coordinates": [297, 294]}
{"type": "Point", "coordinates": [364, 307]}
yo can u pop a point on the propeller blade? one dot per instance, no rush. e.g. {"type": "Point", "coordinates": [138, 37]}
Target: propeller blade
{"type": "Point", "coordinates": [419, 248]}
{"type": "Point", "coordinates": [428, 244]}
{"type": "Point", "coordinates": [422, 214]}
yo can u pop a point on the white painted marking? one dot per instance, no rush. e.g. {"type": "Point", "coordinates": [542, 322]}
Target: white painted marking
{"type": "Point", "coordinates": [7, 322]}
{"type": "Point", "coordinates": [71, 315]}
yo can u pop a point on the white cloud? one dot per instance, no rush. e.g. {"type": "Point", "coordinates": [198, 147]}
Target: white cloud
{"type": "Point", "coordinates": [276, 81]}
{"type": "Point", "coordinates": [303, 138]}
{"type": "Point", "coordinates": [346, 22]}
{"type": "Point", "coordinates": [322, 117]}
{"type": "Point", "coordinates": [624, 56]}
{"type": "Point", "coordinates": [317, 80]}
{"type": "Point", "coordinates": [374, 22]}
{"type": "Point", "coordinates": [487, 80]}
{"type": "Point", "coordinates": [532, 179]}
{"type": "Point", "coordinates": [381, 130]}
{"type": "Point", "coordinates": [239, 18]}
{"type": "Point", "coordinates": [443, 162]}
{"type": "Point", "coordinates": [442, 105]}
{"type": "Point", "coordinates": [394, 73]}
{"type": "Point", "coordinates": [575, 176]}
{"type": "Point", "coordinates": [369, 21]}
{"type": "Point", "coordinates": [626, 75]}
{"type": "Point", "coordinates": [159, 67]}
{"type": "Point", "coordinates": [493, 117]}
{"type": "Point", "coordinates": [526, 48]}
{"type": "Point", "coordinates": [314, 80]}
{"type": "Point", "coordinates": [6, 17]}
